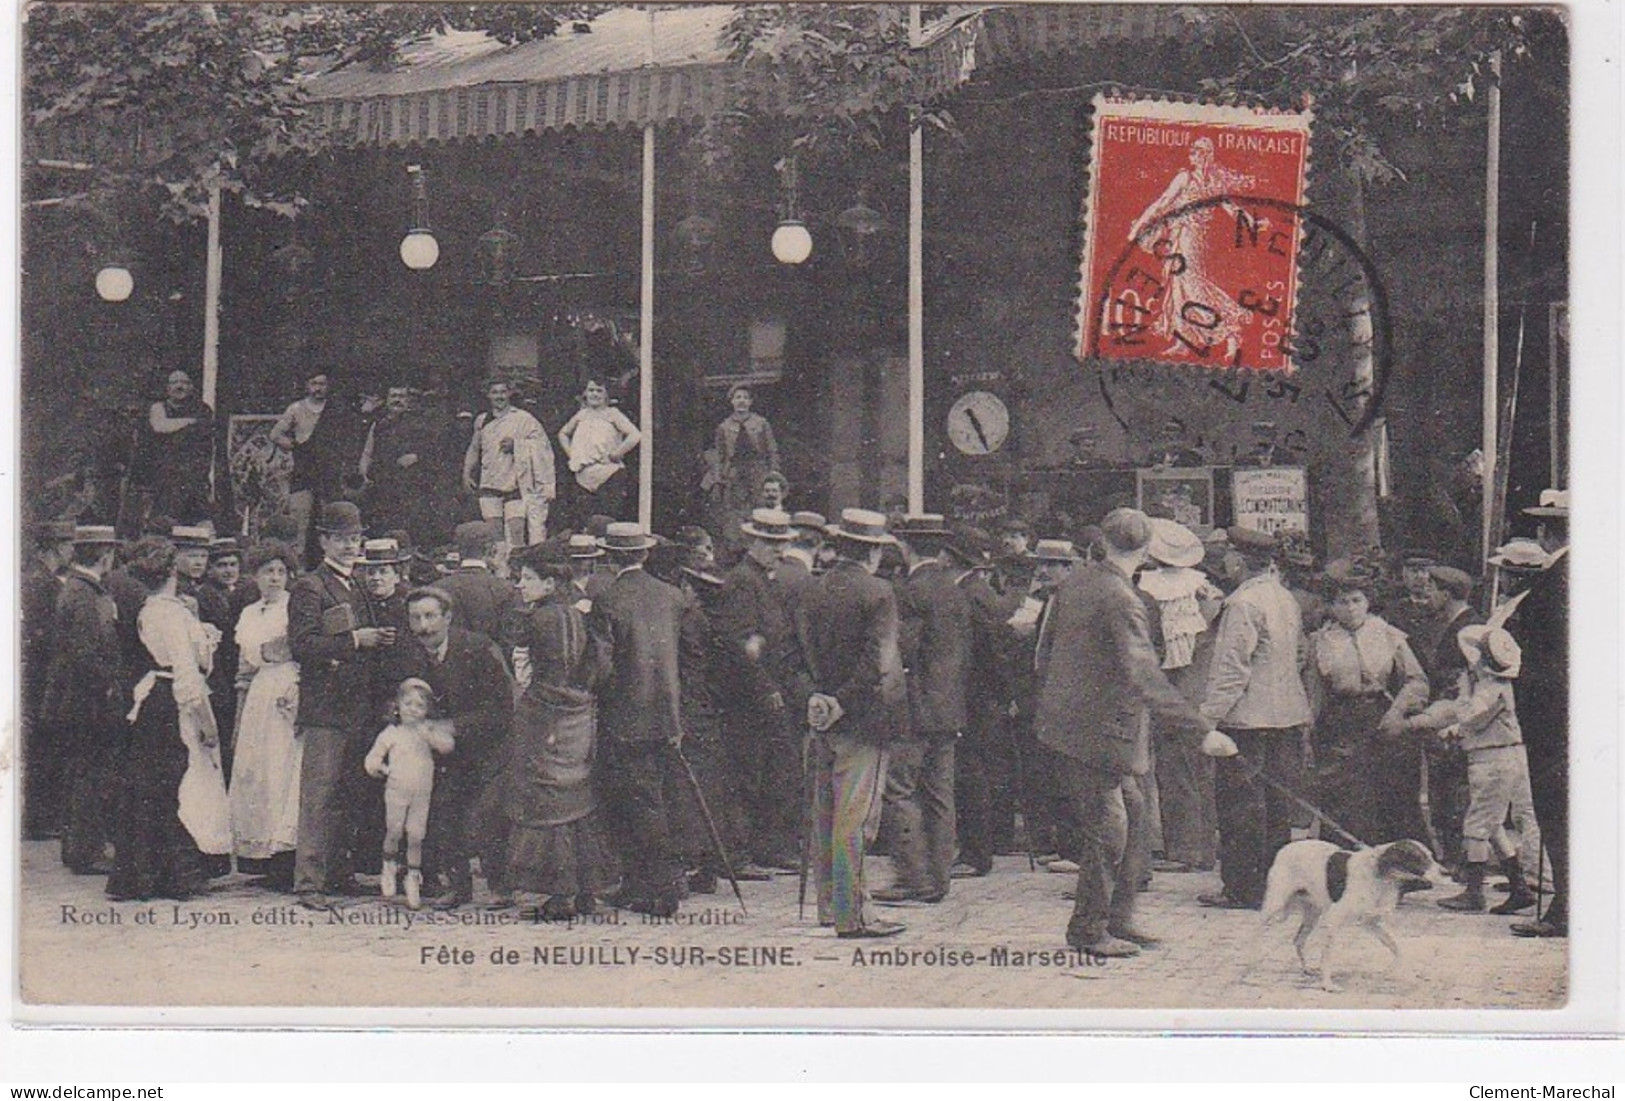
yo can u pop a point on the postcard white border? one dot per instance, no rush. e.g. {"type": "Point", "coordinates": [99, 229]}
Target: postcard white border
{"type": "Point", "coordinates": [1594, 1006]}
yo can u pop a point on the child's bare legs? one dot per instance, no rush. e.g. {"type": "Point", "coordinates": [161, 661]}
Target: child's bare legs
{"type": "Point", "coordinates": [396, 808]}
{"type": "Point", "coordinates": [417, 824]}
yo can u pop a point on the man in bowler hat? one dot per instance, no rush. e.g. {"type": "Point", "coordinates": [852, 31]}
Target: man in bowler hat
{"type": "Point", "coordinates": [335, 637]}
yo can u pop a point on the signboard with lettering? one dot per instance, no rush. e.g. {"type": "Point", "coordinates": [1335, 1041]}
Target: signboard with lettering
{"type": "Point", "coordinates": [1272, 498]}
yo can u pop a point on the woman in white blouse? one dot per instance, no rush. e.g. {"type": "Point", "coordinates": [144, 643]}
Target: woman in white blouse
{"type": "Point", "coordinates": [174, 792]}
{"type": "Point", "coordinates": [265, 772]}
{"type": "Point", "coordinates": [1364, 681]}
{"type": "Point", "coordinates": [595, 441]}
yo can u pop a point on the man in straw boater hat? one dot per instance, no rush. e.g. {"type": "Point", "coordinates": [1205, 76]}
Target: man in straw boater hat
{"type": "Point", "coordinates": [1098, 682]}
{"type": "Point", "coordinates": [1542, 619]}
{"type": "Point", "coordinates": [82, 704]}
{"type": "Point", "coordinates": [640, 716]}
{"type": "Point", "coordinates": [335, 636]}
{"type": "Point", "coordinates": [935, 619]}
{"type": "Point", "coordinates": [758, 644]}
{"type": "Point", "coordinates": [859, 705]}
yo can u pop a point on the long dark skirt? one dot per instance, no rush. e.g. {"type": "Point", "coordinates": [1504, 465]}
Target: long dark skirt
{"type": "Point", "coordinates": [155, 856]}
{"type": "Point", "coordinates": [556, 843]}
{"type": "Point", "coordinates": [1369, 783]}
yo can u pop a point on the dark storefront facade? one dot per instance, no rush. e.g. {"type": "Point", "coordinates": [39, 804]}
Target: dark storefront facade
{"type": "Point", "coordinates": [533, 190]}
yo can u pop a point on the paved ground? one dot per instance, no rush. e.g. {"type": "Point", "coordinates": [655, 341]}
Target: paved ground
{"type": "Point", "coordinates": [994, 943]}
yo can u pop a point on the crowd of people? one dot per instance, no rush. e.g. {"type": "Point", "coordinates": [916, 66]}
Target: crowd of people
{"type": "Point", "coordinates": [610, 716]}
{"type": "Point", "coordinates": [414, 464]}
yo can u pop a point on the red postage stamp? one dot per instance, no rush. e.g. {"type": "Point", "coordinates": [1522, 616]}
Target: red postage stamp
{"type": "Point", "coordinates": [1191, 234]}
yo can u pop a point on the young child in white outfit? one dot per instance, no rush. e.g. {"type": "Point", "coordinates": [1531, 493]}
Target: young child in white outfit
{"type": "Point", "coordinates": [1484, 719]}
{"type": "Point", "coordinates": [404, 753]}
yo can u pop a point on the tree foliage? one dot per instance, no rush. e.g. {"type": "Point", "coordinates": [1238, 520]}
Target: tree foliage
{"type": "Point", "coordinates": [1363, 67]}
{"type": "Point", "coordinates": [183, 97]}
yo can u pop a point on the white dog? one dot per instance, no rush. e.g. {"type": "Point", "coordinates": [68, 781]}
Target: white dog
{"type": "Point", "coordinates": [1333, 888]}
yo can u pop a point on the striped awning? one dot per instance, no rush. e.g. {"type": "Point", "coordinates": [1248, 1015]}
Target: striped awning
{"type": "Point", "coordinates": [633, 67]}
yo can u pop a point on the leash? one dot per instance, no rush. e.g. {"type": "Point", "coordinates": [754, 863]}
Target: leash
{"type": "Point", "coordinates": [1257, 773]}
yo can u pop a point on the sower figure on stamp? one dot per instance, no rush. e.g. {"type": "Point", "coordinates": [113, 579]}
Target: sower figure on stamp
{"type": "Point", "coordinates": [935, 624]}
{"type": "Point", "coordinates": [472, 691]}
{"type": "Point", "coordinates": [334, 634]}
{"type": "Point", "coordinates": [861, 704]}
{"type": "Point", "coordinates": [639, 619]}
{"type": "Point", "coordinates": [1098, 683]}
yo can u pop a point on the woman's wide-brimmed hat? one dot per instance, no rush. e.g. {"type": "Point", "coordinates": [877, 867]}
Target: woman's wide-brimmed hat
{"type": "Point", "coordinates": [1521, 554]}
{"type": "Point", "coordinates": [339, 518]}
{"type": "Point", "coordinates": [623, 535]}
{"type": "Point", "coordinates": [864, 526]}
{"type": "Point", "coordinates": [1174, 544]}
{"type": "Point", "coordinates": [769, 523]}
{"type": "Point", "coordinates": [1500, 650]}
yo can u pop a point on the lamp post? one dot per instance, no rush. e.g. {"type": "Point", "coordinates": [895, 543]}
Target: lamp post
{"type": "Point", "coordinates": [114, 283]}
{"type": "Point", "coordinates": [419, 249]}
{"type": "Point", "coordinates": [791, 243]}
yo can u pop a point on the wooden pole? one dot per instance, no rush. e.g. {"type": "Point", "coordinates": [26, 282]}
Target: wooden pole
{"type": "Point", "coordinates": [646, 342]}
{"type": "Point", "coordinates": [1554, 410]}
{"type": "Point", "coordinates": [916, 292]}
{"type": "Point", "coordinates": [211, 302]}
{"type": "Point", "coordinates": [211, 324]}
{"type": "Point", "coordinates": [1492, 308]}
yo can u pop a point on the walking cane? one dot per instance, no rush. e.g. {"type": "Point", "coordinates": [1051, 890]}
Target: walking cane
{"type": "Point", "coordinates": [710, 823]}
{"type": "Point", "coordinates": [808, 822]}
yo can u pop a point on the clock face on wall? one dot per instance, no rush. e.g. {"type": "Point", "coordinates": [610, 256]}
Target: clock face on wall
{"type": "Point", "coordinates": [978, 423]}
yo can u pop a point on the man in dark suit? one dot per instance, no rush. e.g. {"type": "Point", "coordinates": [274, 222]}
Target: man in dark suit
{"type": "Point", "coordinates": [335, 637]}
{"type": "Point", "coordinates": [985, 757]}
{"type": "Point", "coordinates": [484, 600]}
{"type": "Point", "coordinates": [43, 790]}
{"type": "Point", "coordinates": [1542, 622]}
{"type": "Point", "coordinates": [474, 694]}
{"type": "Point", "coordinates": [757, 638]}
{"type": "Point", "coordinates": [639, 619]}
{"type": "Point", "coordinates": [221, 597]}
{"type": "Point", "coordinates": [83, 700]}
{"type": "Point", "coordinates": [861, 704]}
{"type": "Point", "coordinates": [1442, 660]}
{"type": "Point", "coordinates": [935, 625]}
{"type": "Point", "coordinates": [1098, 680]}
